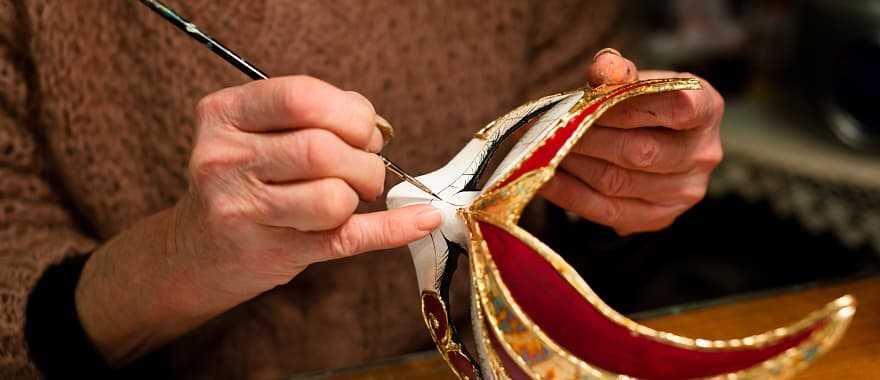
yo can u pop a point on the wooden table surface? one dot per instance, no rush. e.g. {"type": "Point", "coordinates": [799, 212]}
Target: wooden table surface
{"type": "Point", "coordinates": [856, 357]}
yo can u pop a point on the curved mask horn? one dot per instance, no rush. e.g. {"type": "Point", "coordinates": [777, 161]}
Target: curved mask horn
{"type": "Point", "coordinates": [533, 316]}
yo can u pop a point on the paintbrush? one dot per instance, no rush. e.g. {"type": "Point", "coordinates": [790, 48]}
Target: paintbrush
{"type": "Point", "coordinates": [254, 73]}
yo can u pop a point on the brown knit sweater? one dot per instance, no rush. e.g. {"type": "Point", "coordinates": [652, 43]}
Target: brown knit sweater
{"type": "Point", "coordinates": [96, 116]}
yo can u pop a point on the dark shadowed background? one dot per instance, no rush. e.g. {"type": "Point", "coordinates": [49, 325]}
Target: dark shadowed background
{"type": "Point", "coordinates": [796, 198]}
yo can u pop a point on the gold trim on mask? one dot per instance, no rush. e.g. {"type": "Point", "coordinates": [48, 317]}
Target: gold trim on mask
{"type": "Point", "coordinates": [446, 344]}
{"type": "Point", "coordinates": [536, 354]}
{"type": "Point", "coordinates": [491, 291]}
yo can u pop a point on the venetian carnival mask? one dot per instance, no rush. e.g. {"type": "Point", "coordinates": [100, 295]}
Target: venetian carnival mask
{"type": "Point", "coordinates": [533, 316]}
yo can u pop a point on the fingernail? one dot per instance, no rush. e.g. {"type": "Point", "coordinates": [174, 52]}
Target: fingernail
{"type": "Point", "coordinates": [385, 129]}
{"type": "Point", "coordinates": [606, 51]}
{"type": "Point", "coordinates": [428, 219]}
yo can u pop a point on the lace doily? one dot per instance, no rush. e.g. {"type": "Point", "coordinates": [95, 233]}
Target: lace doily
{"type": "Point", "coordinates": [774, 157]}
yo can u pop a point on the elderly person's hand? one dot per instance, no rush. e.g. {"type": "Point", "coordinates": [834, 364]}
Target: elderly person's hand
{"type": "Point", "coordinates": [647, 160]}
{"type": "Point", "coordinates": [276, 172]}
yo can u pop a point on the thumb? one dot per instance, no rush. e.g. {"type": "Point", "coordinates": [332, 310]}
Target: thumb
{"type": "Point", "coordinates": [610, 67]}
{"type": "Point", "coordinates": [383, 229]}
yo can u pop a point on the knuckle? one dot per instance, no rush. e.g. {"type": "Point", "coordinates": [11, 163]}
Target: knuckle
{"type": "Point", "coordinates": [201, 171]}
{"type": "Point", "coordinates": [203, 107]}
{"type": "Point", "coordinates": [719, 103]}
{"type": "Point", "coordinates": [223, 209]}
{"type": "Point", "coordinates": [208, 164]}
{"type": "Point", "coordinates": [199, 174]}
{"type": "Point", "coordinates": [361, 118]}
{"type": "Point", "coordinates": [717, 154]}
{"type": "Point", "coordinates": [230, 204]}
{"type": "Point", "coordinates": [563, 193]}
{"type": "Point", "coordinates": [294, 94]}
{"type": "Point", "coordinates": [343, 242]}
{"type": "Point", "coordinates": [551, 191]}
{"type": "Point", "coordinates": [390, 232]}
{"type": "Point", "coordinates": [207, 105]}
{"type": "Point", "coordinates": [641, 150]}
{"type": "Point", "coordinates": [376, 177]}
{"type": "Point", "coordinates": [611, 213]}
{"type": "Point", "coordinates": [710, 156]}
{"type": "Point", "coordinates": [217, 103]}
{"type": "Point", "coordinates": [337, 202]}
{"type": "Point", "coordinates": [319, 150]}
{"type": "Point", "coordinates": [291, 98]}
{"type": "Point", "coordinates": [671, 214]}
{"type": "Point", "coordinates": [302, 81]}
{"type": "Point", "coordinates": [614, 180]}
{"type": "Point", "coordinates": [691, 195]}
{"type": "Point", "coordinates": [684, 107]}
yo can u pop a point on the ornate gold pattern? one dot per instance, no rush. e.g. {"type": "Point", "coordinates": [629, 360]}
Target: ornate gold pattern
{"type": "Point", "coordinates": [495, 367]}
{"type": "Point", "coordinates": [538, 355]}
{"type": "Point", "coordinates": [445, 343]}
{"type": "Point", "coordinates": [489, 286]}
{"type": "Point", "coordinates": [510, 200]}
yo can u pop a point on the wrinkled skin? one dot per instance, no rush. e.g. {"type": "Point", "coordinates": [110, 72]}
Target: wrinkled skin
{"type": "Point", "coordinates": [647, 160]}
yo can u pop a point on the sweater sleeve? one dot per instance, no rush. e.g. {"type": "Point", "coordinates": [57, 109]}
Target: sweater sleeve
{"type": "Point", "coordinates": [37, 230]}
{"type": "Point", "coordinates": [564, 35]}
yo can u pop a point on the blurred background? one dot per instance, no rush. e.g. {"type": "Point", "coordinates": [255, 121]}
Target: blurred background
{"type": "Point", "coordinates": [795, 202]}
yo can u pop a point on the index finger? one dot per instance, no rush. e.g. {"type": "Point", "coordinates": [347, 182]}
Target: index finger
{"type": "Point", "coordinates": [295, 102]}
{"type": "Point", "coordinates": [680, 110]}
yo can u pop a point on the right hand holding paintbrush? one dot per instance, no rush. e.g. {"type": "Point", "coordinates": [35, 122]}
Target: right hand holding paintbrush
{"type": "Point", "coordinates": [276, 172]}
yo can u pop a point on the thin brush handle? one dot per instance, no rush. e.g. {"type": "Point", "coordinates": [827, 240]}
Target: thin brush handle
{"type": "Point", "coordinates": [252, 71]}
{"type": "Point", "coordinates": [193, 31]}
